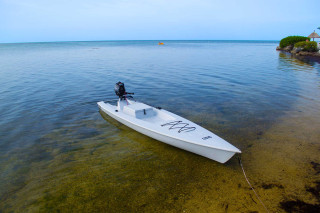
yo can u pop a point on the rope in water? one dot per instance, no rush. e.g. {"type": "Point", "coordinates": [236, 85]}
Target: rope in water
{"type": "Point", "coordinates": [245, 176]}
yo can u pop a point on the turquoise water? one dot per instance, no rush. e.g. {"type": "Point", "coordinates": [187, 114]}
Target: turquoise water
{"type": "Point", "coordinates": [58, 153]}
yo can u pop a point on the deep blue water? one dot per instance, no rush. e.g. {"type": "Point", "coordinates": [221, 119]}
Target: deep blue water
{"type": "Point", "coordinates": [234, 88]}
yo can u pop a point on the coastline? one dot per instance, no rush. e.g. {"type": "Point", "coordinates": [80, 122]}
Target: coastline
{"type": "Point", "coordinates": [304, 56]}
{"type": "Point", "coordinates": [301, 55]}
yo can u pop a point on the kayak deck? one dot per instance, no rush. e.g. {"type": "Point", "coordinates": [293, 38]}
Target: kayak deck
{"type": "Point", "coordinates": [168, 127]}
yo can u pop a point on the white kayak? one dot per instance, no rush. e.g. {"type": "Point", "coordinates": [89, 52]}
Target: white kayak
{"type": "Point", "coordinates": [170, 128]}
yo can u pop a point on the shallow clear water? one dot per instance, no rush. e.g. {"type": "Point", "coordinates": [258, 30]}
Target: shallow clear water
{"type": "Point", "coordinates": [59, 153]}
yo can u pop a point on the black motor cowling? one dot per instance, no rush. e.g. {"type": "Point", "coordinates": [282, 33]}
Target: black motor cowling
{"type": "Point", "coordinates": [119, 89]}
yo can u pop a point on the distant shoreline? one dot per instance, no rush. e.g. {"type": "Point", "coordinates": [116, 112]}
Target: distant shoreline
{"type": "Point", "coordinates": [39, 42]}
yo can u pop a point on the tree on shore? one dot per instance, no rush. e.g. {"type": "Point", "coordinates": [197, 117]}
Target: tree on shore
{"type": "Point", "coordinates": [318, 28]}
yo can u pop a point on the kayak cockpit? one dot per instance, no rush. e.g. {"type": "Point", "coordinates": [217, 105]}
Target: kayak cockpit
{"type": "Point", "coordinates": [139, 110]}
{"type": "Point", "coordinates": [143, 111]}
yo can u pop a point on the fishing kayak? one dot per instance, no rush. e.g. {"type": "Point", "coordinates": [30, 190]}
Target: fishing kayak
{"type": "Point", "coordinates": [169, 128]}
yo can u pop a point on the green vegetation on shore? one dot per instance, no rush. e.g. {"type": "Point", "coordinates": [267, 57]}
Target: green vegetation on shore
{"type": "Point", "coordinates": [291, 40]}
{"type": "Point", "coordinates": [310, 46]}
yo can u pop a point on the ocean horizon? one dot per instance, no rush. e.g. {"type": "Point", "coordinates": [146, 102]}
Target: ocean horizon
{"type": "Point", "coordinates": [203, 40]}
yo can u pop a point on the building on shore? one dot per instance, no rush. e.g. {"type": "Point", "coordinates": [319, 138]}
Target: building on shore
{"type": "Point", "coordinates": [313, 36]}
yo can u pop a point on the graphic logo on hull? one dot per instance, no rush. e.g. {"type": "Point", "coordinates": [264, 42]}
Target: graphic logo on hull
{"type": "Point", "coordinates": [206, 138]}
{"type": "Point", "coordinates": [183, 127]}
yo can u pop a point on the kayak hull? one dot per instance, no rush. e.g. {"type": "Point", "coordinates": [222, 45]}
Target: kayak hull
{"type": "Point", "coordinates": [219, 155]}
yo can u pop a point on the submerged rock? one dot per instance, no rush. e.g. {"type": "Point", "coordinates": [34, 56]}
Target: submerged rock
{"type": "Point", "coordinates": [305, 53]}
{"type": "Point", "coordinates": [297, 51]}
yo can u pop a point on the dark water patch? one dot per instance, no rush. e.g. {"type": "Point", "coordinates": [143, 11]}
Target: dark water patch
{"type": "Point", "coordinates": [271, 185]}
{"type": "Point", "coordinates": [299, 206]}
{"type": "Point", "coordinates": [309, 59]}
{"type": "Point", "coordinates": [316, 167]}
{"type": "Point", "coordinates": [16, 164]}
{"type": "Point", "coordinates": [251, 196]}
{"type": "Point", "coordinates": [226, 206]}
{"type": "Point", "coordinates": [315, 191]}
{"type": "Point", "coordinates": [85, 132]}
{"type": "Point", "coordinates": [249, 145]}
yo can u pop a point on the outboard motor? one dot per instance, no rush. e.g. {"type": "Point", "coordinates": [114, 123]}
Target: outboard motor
{"type": "Point", "coordinates": [119, 89]}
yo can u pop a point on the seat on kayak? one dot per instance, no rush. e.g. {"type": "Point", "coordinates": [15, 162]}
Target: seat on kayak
{"type": "Point", "coordinates": [139, 110]}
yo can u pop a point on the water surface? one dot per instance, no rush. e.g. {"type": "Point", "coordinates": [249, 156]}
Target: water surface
{"type": "Point", "coordinates": [59, 153]}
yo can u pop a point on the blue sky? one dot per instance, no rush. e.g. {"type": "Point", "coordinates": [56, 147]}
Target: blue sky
{"type": "Point", "coordinates": [85, 20]}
